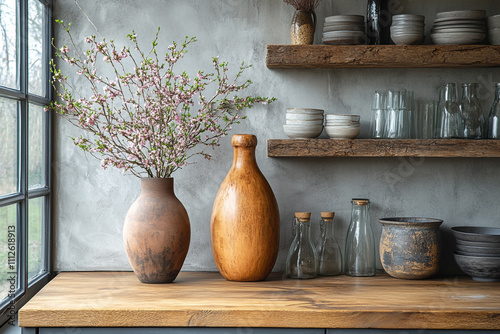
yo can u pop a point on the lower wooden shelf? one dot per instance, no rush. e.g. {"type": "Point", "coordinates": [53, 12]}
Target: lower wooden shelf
{"type": "Point", "coordinates": [75, 300]}
{"type": "Point", "coordinates": [429, 148]}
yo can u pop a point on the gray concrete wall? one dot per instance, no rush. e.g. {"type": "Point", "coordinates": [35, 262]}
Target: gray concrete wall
{"type": "Point", "coordinates": [90, 204]}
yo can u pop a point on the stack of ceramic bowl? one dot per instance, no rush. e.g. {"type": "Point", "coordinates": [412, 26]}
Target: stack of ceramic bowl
{"type": "Point", "coordinates": [303, 123]}
{"type": "Point", "coordinates": [344, 29]}
{"type": "Point", "coordinates": [459, 27]}
{"type": "Point", "coordinates": [478, 252]}
{"type": "Point", "coordinates": [342, 126]}
{"type": "Point", "coordinates": [407, 29]}
{"type": "Point", "coordinates": [494, 29]}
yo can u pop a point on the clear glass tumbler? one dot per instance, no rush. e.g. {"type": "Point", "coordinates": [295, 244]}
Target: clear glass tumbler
{"type": "Point", "coordinates": [473, 120]}
{"type": "Point", "coordinates": [449, 112]}
{"type": "Point", "coordinates": [494, 119]}
{"type": "Point", "coordinates": [377, 124]}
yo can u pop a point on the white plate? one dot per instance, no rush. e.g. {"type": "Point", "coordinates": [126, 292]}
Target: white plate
{"type": "Point", "coordinates": [457, 38]}
{"type": "Point", "coordinates": [344, 28]}
{"type": "Point", "coordinates": [461, 21]}
{"type": "Point", "coordinates": [458, 30]}
{"type": "Point", "coordinates": [343, 34]}
{"type": "Point", "coordinates": [462, 14]}
{"type": "Point", "coordinates": [406, 17]}
{"type": "Point", "coordinates": [345, 18]}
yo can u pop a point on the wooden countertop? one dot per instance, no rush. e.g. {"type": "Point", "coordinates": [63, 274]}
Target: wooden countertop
{"type": "Point", "coordinates": [201, 299]}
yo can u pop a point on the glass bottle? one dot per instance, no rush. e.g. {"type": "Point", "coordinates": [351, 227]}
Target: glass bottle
{"type": "Point", "coordinates": [472, 115]}
{"type": "Point", "coordinates": [360, 258]}
{"type": "Point", "coordinates": [494, 119]}
{"type": "Point", "coordinates": [449, 112]}
{"type": "Point", "coordinates": [378, 22]}
{"type": "Point", "coordinates": [301, 261]}
{"type": "Point", "coordinates": [329, 256]}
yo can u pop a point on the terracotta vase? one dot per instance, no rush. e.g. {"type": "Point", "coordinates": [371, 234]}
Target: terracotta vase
{"type": "Point", "coordinates": [303, 27]}
{"type": "Point", "coordinates": [156, 232]}
{"type": "Point", "coordinates": [245, 220]}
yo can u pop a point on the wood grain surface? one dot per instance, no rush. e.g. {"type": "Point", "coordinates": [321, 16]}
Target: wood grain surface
{"type": "Point", "coordinates": [386, 56]}
{"type": "Point", "coordinates": [200, 299]}
{"type": "Point", "coordinates": [429, 148]}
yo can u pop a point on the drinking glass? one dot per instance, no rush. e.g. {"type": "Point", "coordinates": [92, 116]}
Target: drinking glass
{"type": "Point", "coordinates": [449, 113]}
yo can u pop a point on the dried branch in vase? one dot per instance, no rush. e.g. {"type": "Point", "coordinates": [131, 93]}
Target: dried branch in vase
{"type": "Point", "coordinates": [307, 5]}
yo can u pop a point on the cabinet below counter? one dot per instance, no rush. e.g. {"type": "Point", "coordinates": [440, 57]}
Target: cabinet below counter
{"type": "Point", "coordinates": [206, 299]}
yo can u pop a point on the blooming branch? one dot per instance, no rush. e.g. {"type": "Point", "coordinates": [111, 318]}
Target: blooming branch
{"type": "Point", "coordinates": [147, 119]}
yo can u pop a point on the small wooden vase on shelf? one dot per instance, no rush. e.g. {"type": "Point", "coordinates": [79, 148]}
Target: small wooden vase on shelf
{"type": "Point", "coordinates": [245, 220]}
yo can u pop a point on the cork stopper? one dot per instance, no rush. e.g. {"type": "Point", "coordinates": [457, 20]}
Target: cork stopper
{"type": "Point", "coordinates": [303, 216]}
{"type": "Point", "coordinates": [360, 201]}
{"type": "Point", "coordinates": [327, 215]}
{"type": "Point", "coordinates": [244, 141]}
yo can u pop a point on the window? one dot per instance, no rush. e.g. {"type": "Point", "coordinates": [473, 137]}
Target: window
{"type": "Point", "coordinates": [24, 151]}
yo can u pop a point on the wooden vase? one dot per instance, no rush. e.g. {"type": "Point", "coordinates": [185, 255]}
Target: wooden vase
{"type": "Point", "coordinates": [245, 220]}
{"type": "Point", "coordinates": [156, 232]}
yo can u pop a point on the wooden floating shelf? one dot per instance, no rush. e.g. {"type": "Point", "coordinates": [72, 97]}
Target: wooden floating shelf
{"type": "Point", "coordinates": [382, 56]}
{"type": "Point", "coordinates": [429, 148]}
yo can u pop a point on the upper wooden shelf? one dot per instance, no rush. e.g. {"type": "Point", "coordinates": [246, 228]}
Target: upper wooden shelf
{"type": "Point", "coordinates": [429, 148]}
{"type": "Point", "coordinates": [377, 56]}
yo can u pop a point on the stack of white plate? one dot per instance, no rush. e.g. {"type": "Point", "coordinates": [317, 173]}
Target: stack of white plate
{"type": "Point", "coordinates": [407, 29]}
{"type": "Point", "coordinates": [344, 29]}
{"type": "Point", "coordinates": [303, 123]}
{"type": "Point", "coordinates": [342, 126]}
{"type": "Point", "coordinates": [494, 29]}
{"type": "Point", "coordinates": [459, 27]}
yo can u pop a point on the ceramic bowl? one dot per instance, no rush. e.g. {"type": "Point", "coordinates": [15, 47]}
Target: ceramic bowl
{"type": "Point", "coordinates": [304, 122]}
{"type": "Point", "coordinates": [299, 131]}
{"type": "Point", "coordinates": [304, 117]}
{"type": "Point", "coordinates": [478, 250]}
{"type": "Point", "coordinates": [494, 36]}
{"type": "Point", "coordinates": [408, 17]}
{"type": "Point", "coordinates": [341, 123]}
{"type": "Point", "coordinates": [462, 14]}
{"type": "Point", "coordinates": [457, 38]}
{"type": "Point", "coordinates": [342, 132]}
{"type": "Point", "coordinates": [480, 268]}
{"type": "Point", "coordinates": [478, 243]}
{"type": "Point", "coordinates": [342, 117]}
{"type": "Point", "coordinates": [493, 21]}
{"type": "Point", "coordinates": [476, 233]}
{"type": "Point", "coordinates": [304, 111]}
{"type": "Point", "coordinates": [407, 39]}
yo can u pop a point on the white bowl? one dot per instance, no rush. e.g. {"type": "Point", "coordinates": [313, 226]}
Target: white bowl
{"type": "Point", "coordinates": [304, 111]}
{"type": "Point", "coordinates": [407, 39]}
{"type": "Point", "coordinates": [342, 117]}
{"type": "Point", "coordinates": [304, 122]}
{"type": "Point", "coordinates": [457, 38]}
{"type": "Point", "coordinates": [342, 132]}
{"type": "Point", "coordinates": [408, 17]}
{"type": "Point", "coordinates": [304, 117]}
{"type": "Point", "coordinates": [296, 131]}
{"type": "Point", "coordinates": [338, 123]}
{"type": "Point", "coordinates": [494, 21]}
{"type": "Point", "coordinates": [494, 37]}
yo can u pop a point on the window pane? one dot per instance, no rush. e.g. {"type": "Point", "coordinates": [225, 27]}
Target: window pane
{"type": "Point", "coordinates": [35, 236]}
{"type": "Point", "coordinates": [35, 48]}
{"type": "Point", "coordinates": [8, 53]}
{"type": "Point", "coordinates": [8, 250]}
{"type": "Point", "coordinates": [36, 158]}
{"type": "Point", "coordinates": [8, 146]}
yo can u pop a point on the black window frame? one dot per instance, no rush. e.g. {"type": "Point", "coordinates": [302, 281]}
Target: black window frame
{"type": "Point", "coordinates": [27, 288]}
